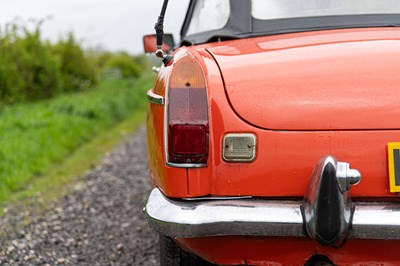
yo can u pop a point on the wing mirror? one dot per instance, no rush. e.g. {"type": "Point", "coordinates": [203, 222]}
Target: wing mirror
{"type": "Point", "coordinates": [150, 43]}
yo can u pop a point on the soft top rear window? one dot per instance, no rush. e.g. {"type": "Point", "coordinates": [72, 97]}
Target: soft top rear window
{"type": "Point", "coordinates": [278, 9]}
{"type": "Point", "coordinates": [209, 15]}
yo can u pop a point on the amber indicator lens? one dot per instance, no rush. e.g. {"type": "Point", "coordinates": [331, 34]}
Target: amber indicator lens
{"type": "Point", "coordinates": [187, 73]}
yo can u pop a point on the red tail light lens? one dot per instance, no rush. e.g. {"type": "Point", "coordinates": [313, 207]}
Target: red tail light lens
{"type": "Point", "coordinates": [188, 140]}
{"type": "Point", "coordinates": [188, 130]}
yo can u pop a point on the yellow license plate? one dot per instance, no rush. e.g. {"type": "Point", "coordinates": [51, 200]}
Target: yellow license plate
{"type": "Point", "coordinates": [394, 166]}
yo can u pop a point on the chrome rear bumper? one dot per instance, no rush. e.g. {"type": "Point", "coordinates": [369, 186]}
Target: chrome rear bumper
{"type": "Point", "coordinates": [257, 217]}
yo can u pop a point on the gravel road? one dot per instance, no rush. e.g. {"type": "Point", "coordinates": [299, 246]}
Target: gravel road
{"type": "Point", "coordinates": [99, 223]}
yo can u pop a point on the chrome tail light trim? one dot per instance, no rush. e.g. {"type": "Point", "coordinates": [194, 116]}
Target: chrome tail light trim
{"type": "Point", "coordinates": [186, 165]}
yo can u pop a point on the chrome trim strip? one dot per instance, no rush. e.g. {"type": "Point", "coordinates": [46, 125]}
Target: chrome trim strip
{"type": "Point", "coordinates": [258, 217]}
{"type": "Point", "coordinates": [376, 221]}
{"type": "Point", "coordinates": [217, 198]}
{"type": "Point", "coordinates": [223, 217]}
{"type": "Point", "coordinates": [154, 98]}
{"type": "Point", "coordinates": [187, 165]}
{"type": "Point", "coordinates": [165, 133]}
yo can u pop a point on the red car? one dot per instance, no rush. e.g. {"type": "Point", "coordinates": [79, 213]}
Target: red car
{"type": "Point", "coordinates": [261, 123]}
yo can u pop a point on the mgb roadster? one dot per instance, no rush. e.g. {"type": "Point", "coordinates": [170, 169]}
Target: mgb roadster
{"type": "Point", "coordinates": [273, 134]}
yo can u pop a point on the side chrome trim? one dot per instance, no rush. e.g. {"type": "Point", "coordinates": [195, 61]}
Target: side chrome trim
{"type": "Point", "coordinates": [257, 217]}
{"type": "Point", "coordinates": [156, 69]}
{"type": "Point", "coordinates": [154, 98]}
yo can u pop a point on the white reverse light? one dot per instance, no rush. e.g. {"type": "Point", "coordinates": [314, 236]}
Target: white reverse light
{"type": "Point", "coordinates": [239, 147]}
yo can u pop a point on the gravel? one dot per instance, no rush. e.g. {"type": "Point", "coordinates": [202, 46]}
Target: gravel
{"type": "Point", "coordinates": [99, 223]}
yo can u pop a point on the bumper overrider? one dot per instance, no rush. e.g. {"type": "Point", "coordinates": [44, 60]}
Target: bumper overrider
{"type": "Point", "coordinates": [326, 214]}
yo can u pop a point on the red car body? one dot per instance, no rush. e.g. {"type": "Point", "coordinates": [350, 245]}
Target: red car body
{"type": "Point", "coordinates": [303, 96]}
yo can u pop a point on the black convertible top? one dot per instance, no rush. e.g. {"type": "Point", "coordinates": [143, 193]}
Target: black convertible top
{"type": "Point", "coordinates": [241, 24]}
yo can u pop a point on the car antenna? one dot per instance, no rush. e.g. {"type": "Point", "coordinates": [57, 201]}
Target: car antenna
{"type": "Point", "coordinates": [159, 27]}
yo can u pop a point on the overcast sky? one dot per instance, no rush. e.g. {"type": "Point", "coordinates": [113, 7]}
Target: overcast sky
{"type": "Point", "coordinates": [115, 25]}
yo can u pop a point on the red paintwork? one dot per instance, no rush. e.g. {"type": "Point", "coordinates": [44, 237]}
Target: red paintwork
{"type": "Point", "coordinates": [285, 159]}
{"type": "Point", "coordinates": [309, 82]}
{"type": "Point", "coordinates": [344, 112]}
{"type": "Point", "coordinates": [155, 144]}
{"type": "Point", "coordinates": [291, 251]}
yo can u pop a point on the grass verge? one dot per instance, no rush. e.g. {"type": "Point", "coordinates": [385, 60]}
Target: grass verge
{"type": "Point", "coordinates": [38, 140]}
{"type": "Point", "coordinates": [62, 178]}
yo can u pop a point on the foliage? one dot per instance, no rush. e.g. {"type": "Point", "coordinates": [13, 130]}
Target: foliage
{"type": "Point", "coordinates": [126, 64]}
{"type": "Point", "coordinates": [77, 71]}
{"type": "Point", "coordinates": [119, 64]}
{"type": "Point", "coordinates": [32, 69]}
{"type": "Point", "coordinates": [29, 71]}
{"type": "Point", "coordinates": [46, 108]}
{"type": "Point", "coordinates": [36, 136]}
{"type": "Point", "coordinates": [144, 61]}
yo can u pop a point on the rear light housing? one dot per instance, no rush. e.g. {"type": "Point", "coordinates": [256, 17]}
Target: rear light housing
{"type": "Point", "coordinates": [187, 115]}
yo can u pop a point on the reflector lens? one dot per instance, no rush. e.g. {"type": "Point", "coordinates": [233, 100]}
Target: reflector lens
{"type": "Point", "coordinates": [188, 106]}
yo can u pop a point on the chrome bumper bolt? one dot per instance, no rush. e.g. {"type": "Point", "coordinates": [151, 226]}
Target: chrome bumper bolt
{"type": "Point", "coordinates": [346, 176]}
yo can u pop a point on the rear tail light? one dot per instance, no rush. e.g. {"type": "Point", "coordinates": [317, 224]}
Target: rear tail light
{"type": "Point", "coordinates": [188, 127]}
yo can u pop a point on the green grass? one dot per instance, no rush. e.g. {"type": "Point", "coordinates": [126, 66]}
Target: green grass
{"type": "Point", "coordinates": [66, 176]}
{"type": "Point", "coordinates": [45, 143]}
